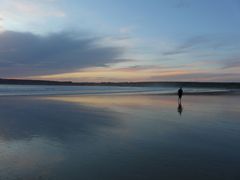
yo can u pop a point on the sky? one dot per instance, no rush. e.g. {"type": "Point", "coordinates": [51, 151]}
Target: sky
{"type": "Point", "coordinates": [120, 40]}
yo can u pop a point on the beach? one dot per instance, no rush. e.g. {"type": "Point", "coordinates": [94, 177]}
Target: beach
{"type": "Point", "coordinates": [119, 137]}
{"type": "Point", "coordinates": [119, 90]}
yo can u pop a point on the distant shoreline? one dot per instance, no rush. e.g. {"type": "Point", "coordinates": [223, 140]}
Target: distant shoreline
{"type": "Point", "coordinates": [227, 85]}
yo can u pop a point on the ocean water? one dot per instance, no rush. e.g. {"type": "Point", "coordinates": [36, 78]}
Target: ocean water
{"type": "Point", "coordinates": [14, 90]}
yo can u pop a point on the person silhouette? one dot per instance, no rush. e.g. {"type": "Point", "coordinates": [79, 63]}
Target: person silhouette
{"type": "Point", "coordinates": [180, 93]}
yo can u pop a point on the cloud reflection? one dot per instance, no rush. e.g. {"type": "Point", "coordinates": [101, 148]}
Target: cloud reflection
{"type": "Point", "coordinates": [115, 102]}
{"type": "Point", "coordinates": [26, 118]}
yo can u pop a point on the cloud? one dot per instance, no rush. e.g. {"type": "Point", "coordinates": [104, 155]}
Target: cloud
{"type": "Point", "coordinates": [231, 63]}
{"type": "Point", "coordinates": [126, 29]}
{"type": "Point", "coordinates": [199, 76]}
{"type": "Point", "coordinates": [1, 27]}
{"type": "Point", "coordinates": [33, 8]}
{"type": "Point", "coordinates": [205, 43]}
{"type": "Point", "coordinates": [24, 54]}
{"type": "Point", "coordinates": [188, 45]}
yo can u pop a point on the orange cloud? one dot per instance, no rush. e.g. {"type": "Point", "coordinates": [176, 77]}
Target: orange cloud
{"type": "Point", "coordinates": [115, 74]}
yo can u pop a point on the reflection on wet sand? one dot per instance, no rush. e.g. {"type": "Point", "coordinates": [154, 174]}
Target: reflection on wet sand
{"type": "Point", "coordinates": [34, 117]}
{"type": "Point", "coordinates": [36, 135]}
{"type": "Point", "coordinates": [29, 159]}
{"type": "Point", "coordinates": [111, 101]}
{"type": "Point", "coordinates": [119, 137]}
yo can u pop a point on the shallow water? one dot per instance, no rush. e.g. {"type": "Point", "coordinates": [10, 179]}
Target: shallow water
{"type": "Point", "coordinates": [119, 137]}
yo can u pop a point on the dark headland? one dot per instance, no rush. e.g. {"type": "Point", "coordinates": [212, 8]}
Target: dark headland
{"type": "Point", "coordinates": [235, 85]}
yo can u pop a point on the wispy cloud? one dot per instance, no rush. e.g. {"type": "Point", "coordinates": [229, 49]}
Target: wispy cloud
{"type": "Point", "coordinates": [34, 16]}
{"type": "Point", "coordinates": [204, 43]}
{"type": "Point", "coordinates": [231, 63]}
{"type": "Point", "coordinates": [199, 76]}
{"type": "Point", "coordinates": [133, 73]}
{"type": "Point", "coordinates": [33, 8]}
{"type": "Point", "coordinates": [1, 26]}
{"type": "Point", "coordinates": [188, 45]}
{"type": "Point", "coordinates": [126, 29]}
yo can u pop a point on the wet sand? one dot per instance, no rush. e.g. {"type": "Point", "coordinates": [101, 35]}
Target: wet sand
{"type": "Point", "coordinates": [120, 137]}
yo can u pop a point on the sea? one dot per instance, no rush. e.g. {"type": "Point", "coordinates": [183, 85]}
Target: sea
{"type": "Point", "coordinates": [26, 90]}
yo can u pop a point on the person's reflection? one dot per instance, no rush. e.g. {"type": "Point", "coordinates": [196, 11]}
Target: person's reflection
{"type": "Point", "coordinates": [180, 108]}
